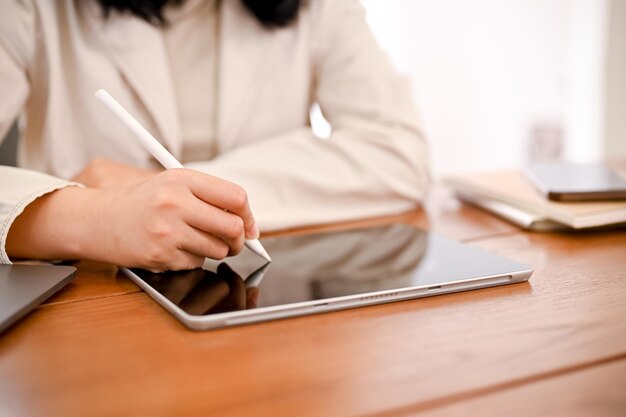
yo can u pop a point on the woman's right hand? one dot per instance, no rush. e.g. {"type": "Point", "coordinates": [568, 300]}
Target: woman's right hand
{"type": "Point", "coordinates": [171, 221]}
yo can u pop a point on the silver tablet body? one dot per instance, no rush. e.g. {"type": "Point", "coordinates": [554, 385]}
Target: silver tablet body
{"type": "Point", "coordinates": [320, 273]}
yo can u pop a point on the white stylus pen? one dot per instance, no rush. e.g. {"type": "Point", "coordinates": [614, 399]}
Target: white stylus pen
{"type": "Point", "coordinates": [157, 150]}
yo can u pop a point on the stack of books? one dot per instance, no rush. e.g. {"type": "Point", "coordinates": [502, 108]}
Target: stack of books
{"type": "Point", "coordinates": [509, 195]}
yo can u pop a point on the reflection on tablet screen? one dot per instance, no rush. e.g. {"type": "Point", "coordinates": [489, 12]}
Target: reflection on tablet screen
{"type": "Point", "coordinates": [304, 268]}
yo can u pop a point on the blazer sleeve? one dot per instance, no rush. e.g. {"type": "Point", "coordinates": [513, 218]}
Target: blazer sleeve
{"type": "Point", "coordinates": [18, 187]}
{"type": "Point", "coordinates": [375, 161]}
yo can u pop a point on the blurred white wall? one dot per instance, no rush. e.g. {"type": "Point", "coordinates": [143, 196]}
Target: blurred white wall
{"type": "Point", "coordinates": [615, 85]}
{"type": "Point", "coordinates": [493, 78]}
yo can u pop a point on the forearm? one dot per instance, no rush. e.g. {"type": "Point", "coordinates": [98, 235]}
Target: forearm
{"type": "Point", "coordinates": [296, 179]}
{"type": "Point", "coordinates": [58, 225]}
{"type": "Point", "coordinates": [173, 220]}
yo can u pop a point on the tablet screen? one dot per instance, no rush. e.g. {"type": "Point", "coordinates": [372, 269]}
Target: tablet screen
{"type": "Point", "coordinates": [321, 266]}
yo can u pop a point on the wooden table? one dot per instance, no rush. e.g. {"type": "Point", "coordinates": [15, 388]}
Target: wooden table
{"type": "Point", "coordinates": [553, 346]}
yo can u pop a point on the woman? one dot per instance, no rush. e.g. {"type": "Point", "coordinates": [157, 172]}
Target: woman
{"type": "Point", "coordinates": [227, 87]}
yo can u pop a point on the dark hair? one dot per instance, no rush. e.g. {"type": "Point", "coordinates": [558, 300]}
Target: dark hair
{"type": "Point", "coordinates": [271, 13]}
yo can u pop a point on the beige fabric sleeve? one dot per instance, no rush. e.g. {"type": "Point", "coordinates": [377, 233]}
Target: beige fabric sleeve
{"type": "Point", "coordinates": [18, 187]}
{"type": "Point", "coordinates": [375, 162]}
{"type": "Point", "coordinates": [17, 38]}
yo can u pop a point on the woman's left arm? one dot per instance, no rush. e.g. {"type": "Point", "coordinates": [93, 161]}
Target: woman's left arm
{"type": "Point", "coordinates": [375, 162]}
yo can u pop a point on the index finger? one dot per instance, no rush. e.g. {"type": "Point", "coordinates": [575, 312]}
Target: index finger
{"type": "Point", "coordinates": [225, 195]}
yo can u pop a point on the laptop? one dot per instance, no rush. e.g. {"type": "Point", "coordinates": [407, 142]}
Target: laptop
{"type": "Point", "coordinates": [24, 287]}
{"type": "Point", "coordinates": [325, 272]}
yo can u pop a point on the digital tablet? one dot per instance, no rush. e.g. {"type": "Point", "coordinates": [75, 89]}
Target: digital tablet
{"type": "Point", "coordinates": [319, 273]}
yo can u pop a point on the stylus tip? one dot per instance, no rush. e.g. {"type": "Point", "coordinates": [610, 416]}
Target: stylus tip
{"type": "Point", "coordinates": [266, 256]}
{"type": "Point", "coordinates": [256, 247]}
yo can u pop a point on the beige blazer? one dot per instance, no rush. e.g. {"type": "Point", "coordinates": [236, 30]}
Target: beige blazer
{"type": "Point", "coordinates": [55, 54]}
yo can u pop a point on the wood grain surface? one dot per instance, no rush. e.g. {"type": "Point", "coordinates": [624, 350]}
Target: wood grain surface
{"type": "Point", "coordinates": [120, 353]}
{"type": "Point", "coordinates": [598, 391]}
{"type": "Point", "coordinates": [93, 280]}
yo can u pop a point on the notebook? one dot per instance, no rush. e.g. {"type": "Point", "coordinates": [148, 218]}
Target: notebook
{"type": "Point", "coordinates": [495, 191]}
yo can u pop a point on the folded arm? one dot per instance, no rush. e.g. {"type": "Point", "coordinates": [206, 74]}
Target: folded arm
{"type": "Point", "coordinates": [375, 161]}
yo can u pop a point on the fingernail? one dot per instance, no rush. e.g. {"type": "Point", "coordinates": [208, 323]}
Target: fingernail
{"type": "Point", "coordinates": [255, 232]}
